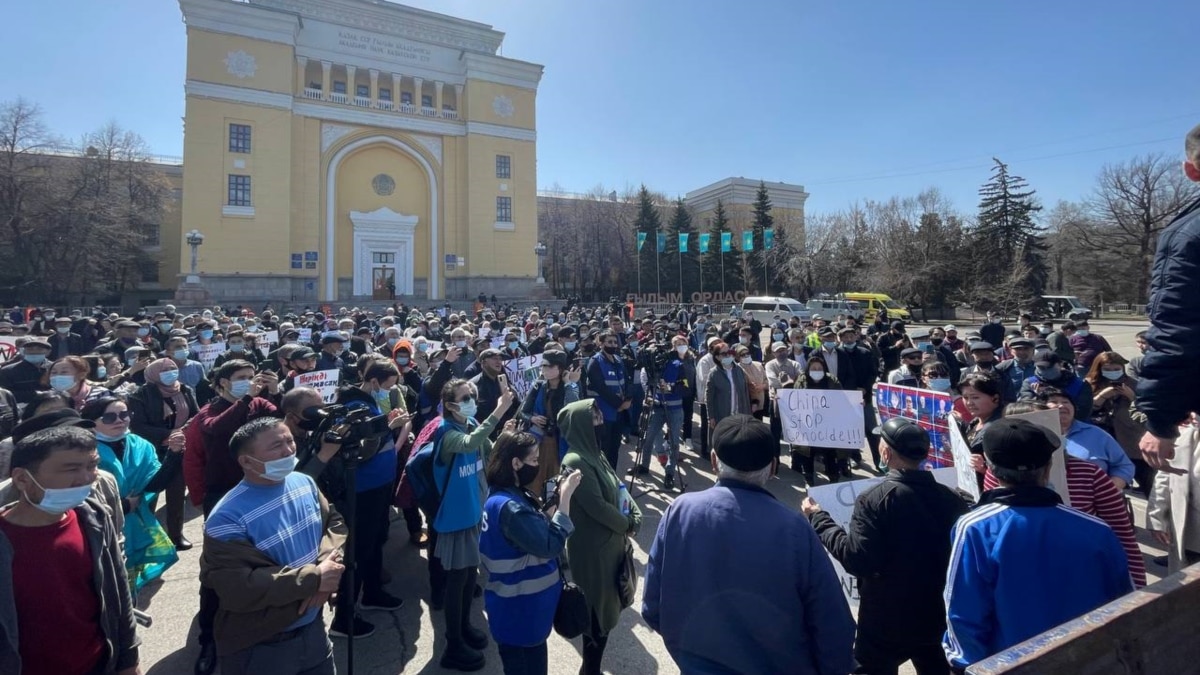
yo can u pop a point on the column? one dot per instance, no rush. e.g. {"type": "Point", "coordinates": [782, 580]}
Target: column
{"type": "Point", "coordinates": [397, 80]}
{"type": "Point", "coordinates": [458, 101]}
{"type": "Point", "coordinates": [350, 89]}
{"type": "Point", "coordinates": [437, 99]}
{"type": "Point", "coordinates": [374, 87]}
{"type": "Point", "coordinates": [326, 80]}
{"type": "Point", "coordinates": [417, 84]}
{"type": "Point", "coordinates": [301, 74]}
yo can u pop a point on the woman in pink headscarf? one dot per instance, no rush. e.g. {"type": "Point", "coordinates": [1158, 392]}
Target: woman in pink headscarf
{"type": "Point", "coordinates": [157, 409]}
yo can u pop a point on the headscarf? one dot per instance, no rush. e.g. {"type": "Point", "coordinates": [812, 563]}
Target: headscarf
{"type": "Point", "coordinates": [175, 405]}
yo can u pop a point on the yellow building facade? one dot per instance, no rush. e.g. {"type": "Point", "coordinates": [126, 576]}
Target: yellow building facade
{"type": "Point", "coordinates": [356, 149]}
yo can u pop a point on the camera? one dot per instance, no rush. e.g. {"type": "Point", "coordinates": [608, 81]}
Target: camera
{"type": "Point", "coordinates": [352, 428]}
{"type": "Point", "coordinates": [551, 489]}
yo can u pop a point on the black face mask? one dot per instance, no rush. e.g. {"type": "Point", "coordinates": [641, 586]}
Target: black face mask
{"type": "Point", "coordinates": [526, 474]}
{"type": "Point", "coordinates": [937, 342]}
{"type": "Point", "coordinates": [610, 350]}
{"type": "Point", "coordinates": [985, 365]}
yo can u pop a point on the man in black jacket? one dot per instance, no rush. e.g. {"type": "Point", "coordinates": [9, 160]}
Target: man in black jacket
{"type": "Point", "coordinates": [1165, 391]}
{"type": "Point", "coordinates": [898, 546]}
{"type": "Point", "coordinates": [865, 369]}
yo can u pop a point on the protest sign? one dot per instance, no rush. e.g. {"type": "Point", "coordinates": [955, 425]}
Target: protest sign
{"type": "Point", "coordinates": [837, 499]}
{"type": "Point", "coordinates": [930, 409]}
{"type": "Point", "coordinates": [267, 341]}
{"type": "Point", "coordinates": [523, 372]}
{"type": "Point", "coordinates": [324, 381]}
{"type": "Point", "coordinates": [1048, 419]}
{"type": "Point", "coordinates": [498, 342]}
{"type": "Point", "coordinates": [822, 418]}
{"type": "Point", "coordinates": [962, 463]}
{"type": "Point", "coordinates": [208, 353]}
{"type": "Point", "coordinates": [8, 347]}
{"type": "Point", "coordinates": [305, 335]}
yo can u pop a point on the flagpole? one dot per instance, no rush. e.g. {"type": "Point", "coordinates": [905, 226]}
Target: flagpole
{"type": "Point", "coordinates": [680, 271]}
{"type": "Point", "coordinates": [657, 267]}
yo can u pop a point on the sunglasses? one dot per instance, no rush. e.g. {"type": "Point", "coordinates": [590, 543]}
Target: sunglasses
{"type": "Point", "coordinates": [111, 418]}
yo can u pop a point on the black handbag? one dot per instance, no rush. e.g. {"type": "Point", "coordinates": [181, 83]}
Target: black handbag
{"type": "Point", "coordinates": [627, 577]}
{"type": "Point", "coordinates": [571, 615]}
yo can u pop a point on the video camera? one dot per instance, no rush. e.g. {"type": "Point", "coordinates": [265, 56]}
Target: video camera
{"type": "Point", "coordinates": [353, 428]}
{"type": "Point", "coordinates": [654, 358]}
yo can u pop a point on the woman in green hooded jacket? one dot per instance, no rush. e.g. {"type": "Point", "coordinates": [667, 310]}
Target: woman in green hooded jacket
{"type": "Point", "coordinates": [597, 547]}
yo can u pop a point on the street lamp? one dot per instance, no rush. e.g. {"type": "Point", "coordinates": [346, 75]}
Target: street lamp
{"type": "Point", "coordinates": [539, 250]}
{"type": "Point", "coordinates": [194, 239]}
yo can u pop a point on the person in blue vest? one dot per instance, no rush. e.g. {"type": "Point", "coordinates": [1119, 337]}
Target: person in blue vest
{"type": "Point", "coordinates": [520, 544]}
{"type": "Point", "coordinates": [1051, 370]}
{"type": "Point", "coordinates": [607, 383]}
{"type": "Point", "coordinates": [667, 389]}
{"type": "Point", "coordinates": [460, 446]}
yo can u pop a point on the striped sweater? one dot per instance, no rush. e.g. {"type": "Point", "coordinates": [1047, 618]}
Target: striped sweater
{"type": "Point", "coordinates": [1095, 494]}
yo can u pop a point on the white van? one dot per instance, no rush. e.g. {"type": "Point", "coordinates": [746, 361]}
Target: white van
{"type": "Point", "coordinates": [765, 308]}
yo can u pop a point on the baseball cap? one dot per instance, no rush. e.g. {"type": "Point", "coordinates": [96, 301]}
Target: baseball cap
{"type": "Point", "coordinates": [1019, 444]}
{"type": "Point", "coordinates": [950, 327]}
{"type": "Point", "coordinates": [744, 443]}
{"type": "Point", "coordinates": [301, 354]}
{"type": "Point", "coordinates": [776, 346]}
{"type": "Point", "coordinates": [905, 437]}
{"type": "Point", "coordinates": [981, 345]}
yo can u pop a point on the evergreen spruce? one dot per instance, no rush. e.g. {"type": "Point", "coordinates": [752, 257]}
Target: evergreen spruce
{"type": "Point", "coordinates": [1009, 251]}
{"type": "Point", "coordinates": [756, 271]}
{"type": "Point", "coordinates": [648, 222]}
{"type": "Point", "coordinates": [712, 260]}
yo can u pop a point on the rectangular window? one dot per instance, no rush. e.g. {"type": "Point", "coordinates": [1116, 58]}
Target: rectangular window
{"type": "Point", "coordinates": [503, 166]}
{"type": "Point", "coordinates": [339, 87]}
{"type": "Point", "coordinates": [383, 258]}
{"type": "Point", "coordinates": [426, 101]}
{"type": "Point", "coordinates": [239, 138]}
{"type": "Point", "coordinates": [362, 90]}
{"type": "Point", "coordinates": [504, 209]}
{"type": "Point", "coordinates": [406, 97]}
{"type": "Point", "coordinates": [385, 94]}
{"type": "Point", "coordinates": [149, 270]}
{"type": "Point", "coordinates": [315, 85]}
{"type": "Point", "coordinates": [239, 190]}
{"type": "Point", "coordinates": [151, 235]}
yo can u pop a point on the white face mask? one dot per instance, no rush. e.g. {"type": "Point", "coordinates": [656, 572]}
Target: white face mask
{"type": "Point", "coordinates": [277, 470]}
{"type": "Point", "coordinates": [816, 375]}
{"type": "Point", "coordinates": [746, 360]}
{"type": "Point", "coordinates": [681, 349]}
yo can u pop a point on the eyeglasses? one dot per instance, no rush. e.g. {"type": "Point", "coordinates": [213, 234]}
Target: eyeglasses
{"type": "Point", "coordinates": [111, 418]}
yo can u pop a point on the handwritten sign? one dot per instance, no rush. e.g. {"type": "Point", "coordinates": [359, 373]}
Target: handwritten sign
{"type": "Point", "coordinates": [838, 500]}
{"type": "Point", "coordinates": [930, 409]}
{"type": "Point", "coordinates": [305, 335]}
{"type": "Point", "coordinates": [523, 372]}
{"type": "Point", "coordinates": [8, 347]}
{"type": "Point", "coordinates": [266, 342]}
{"type": "Point", "coordinates": [822, 418]}
{"type": "Point", "coordinates": [962, 463]}
{"type": "Point", "coordinates": [324, 381]}
{"type": "Point", "coordinates": [208, 353]}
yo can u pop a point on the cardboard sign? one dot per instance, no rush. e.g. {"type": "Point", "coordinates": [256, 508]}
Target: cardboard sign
{"type": "Point", "coordinates": [8, 347]}
{"type": "Point", "coordinates": [208, 353]}
{"type": "Point", "coordinates": [1048, 419]}
{"type": "Point", "coordinates": [838, 500]}
{"type": "Point", "coordinates": [266, 342]}
{"type": "Point", "coordinates": [523, 372]}
{"type": "Point", "coordinates": [930, 409]}
{"type": "Point", "coordinates": [962, 463]}
{"type": "Point", "coordinates": [305, 335]}
{"type": "Point", "coordinates": [324, 381]}
{"type": "Point", "coordinates": [822, 418]}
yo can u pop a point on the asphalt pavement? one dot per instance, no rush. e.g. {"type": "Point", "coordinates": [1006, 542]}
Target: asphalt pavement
{"type": "Point", "coordinates": [410, 640]}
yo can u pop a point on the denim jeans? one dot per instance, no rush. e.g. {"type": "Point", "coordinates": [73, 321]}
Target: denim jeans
{"type": "Point", "coordinates": [652, 443]}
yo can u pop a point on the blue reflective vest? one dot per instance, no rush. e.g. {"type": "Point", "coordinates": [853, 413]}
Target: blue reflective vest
{"type": "Point", "coordinates": [461, 508]}
{"type": "Point", "coordinates": [522, 590]}
{"type": "Point", "coordinates": [614, 379]}
{"type": "Point", "coordinates": [671, 375]}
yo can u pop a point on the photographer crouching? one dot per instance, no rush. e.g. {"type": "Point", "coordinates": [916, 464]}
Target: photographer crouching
{"type": "Point", "coordinates": [367, 420]}
{"type": "Point", "coordinates": [662, 374]}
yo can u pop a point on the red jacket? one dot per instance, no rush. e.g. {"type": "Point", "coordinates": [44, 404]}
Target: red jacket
{"type": "Point", "coordinates": [208, 466]}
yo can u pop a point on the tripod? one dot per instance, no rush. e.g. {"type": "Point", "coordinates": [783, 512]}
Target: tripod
{"type": "Point", "coordinates": [643, 441]}
{"type": "Point", "coordinates": [351, 456]}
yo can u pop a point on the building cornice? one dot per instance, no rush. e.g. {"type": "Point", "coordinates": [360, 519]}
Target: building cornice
{"type": "Point", "coordinates": [501, 131]}
{"type": "Point", "coordinates": [398, 20]}
{"type": "Point", "coordinates": [224, 92]}
{"type": "Point", "coordinates": [503, 71]}
{"type": "Point", "coordinates": [368, 118]}
{"type": "Point", "coordinates": [250, 21]}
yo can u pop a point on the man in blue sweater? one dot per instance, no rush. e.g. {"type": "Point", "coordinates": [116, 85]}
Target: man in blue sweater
{"type": "Point", "coordinates": [737, 582]}
{"type": "Point", "coordinates": [1021, 562]}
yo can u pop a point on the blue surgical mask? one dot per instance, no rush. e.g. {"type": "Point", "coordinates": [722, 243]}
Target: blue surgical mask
{"type": "Point", "coordinates": [35, 359]}
{"type": "Point", "coordinates": [939, 383]}
{"type": "Point", "coordinates": [461, 344]}
{"type": "Point", "coordinates": [1113, 375]}
{"type": "Point", "coordinates": [569, 345]}
{"type": "Point", "coordinates": [206, 334]}
{"type": "Point", "coordinates": [238, 347]}
{"type": "Point", "coordinates": [62, 330]}
{"type": "Point", "coordinates": [131, 362]}
{"type": "Point", "coordinates": [727, 361]}
{"type": "Point", "coordinates": [277, 470]}
{"type": "Point", "coordinates": [57, 501]}
{"type": "Point", "coordinates": [100, 436]}
{"type": "Point", "coordinates": [829, 345]}
{"type": "Point", "coordinates": [1083, 332]}
{"type": "Point", "coordinates": [239, 388]}
{"type": "Point", "coordinates": [179, 354]}
{"type": "Point", "coordinates": [402, 360]}
{"type": "Point", "coordinates": [1047, 374]}
{"type": "Point", "coordinates": [101, 373]}
{"type": "Point", "coordinates": [168, 377]}
{"type": "Point", "coordinates": [777, 336]}
{"type": "Point", "coordinates": [143, 332]}
{"type": "Point", "coordinates": [381, 394]}
{"type": "Point", "coordinates": [62, 382]}
{"type": "Point", "coordinates": [513, 344]}
{"type": "Point", "coordinates": [423, 347]}
{"type": "Point", "coordinates": [468, 408]}
{"type": "Point", "coordinates": [392, 342]}
{"type": "Point", "coordinates": [164, 327]}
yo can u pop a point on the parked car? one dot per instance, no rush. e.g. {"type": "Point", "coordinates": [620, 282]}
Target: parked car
{"type": "Point", "coordinates": [829, 309]}
{"type": "Point", "coordinates": [1060, 307]}
{"type": "Point", "coordinates": [765, 308]}
{"type": "Point", "coordinates": [873, 302]}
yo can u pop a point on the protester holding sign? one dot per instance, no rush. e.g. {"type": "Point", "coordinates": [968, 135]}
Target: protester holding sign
{"type": "Point", "coordinates": [835, 462]}
{"type": "Point", "coordinates": [982, 396]}
{"type": "Point", "coordinates": [898, 546]}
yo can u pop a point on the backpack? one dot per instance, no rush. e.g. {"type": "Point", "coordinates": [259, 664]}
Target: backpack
{"type": "Point", "coordinates": [419, 470]}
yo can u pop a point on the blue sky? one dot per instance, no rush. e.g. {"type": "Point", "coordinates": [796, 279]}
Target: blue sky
{"type": "Point", "coordinates": [853, 100]}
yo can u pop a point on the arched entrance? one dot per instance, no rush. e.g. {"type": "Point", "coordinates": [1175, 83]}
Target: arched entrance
{"type": "Point", "coordinates": [368, 228]}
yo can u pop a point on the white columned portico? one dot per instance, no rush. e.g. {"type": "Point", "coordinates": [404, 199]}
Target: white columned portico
{"type": "Point", "coordinates": [383, 231]}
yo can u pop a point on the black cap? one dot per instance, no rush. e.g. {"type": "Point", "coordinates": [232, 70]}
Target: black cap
{"type": "Point", "coordinates": [981, 346]}
{"type": "Point", "coordinates": [825, 330]}
{"type": "Point", "coordinates": [1019, 444]}
{"type": "Point", "coordinates": [1047, 360]}
{"type": "Point", "coordinates": [329, 338]}
{"type": "Point", "coordinates": [56, 418]}
{"type": "Point", "coordinates": [848, 329]}
{"type": "Point", "coordinates": [897, 324]}
{"type": "Point", "coordinates": [1020, 342]}
{"type": "Point", "coordinates": [905, 437]}
{"type": "Point", "coordinates": [491, 353]}
{"type": "Point", "coordinates": [127, 323]}
{"type": "Point", "coordinates": [301, 354]}
{"type": "Point", "coordinates": [744, 443]}
{"type": "Point", "coordinates": [911, 351]}
{"type": "Point", "coordinates": [556, 357]}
